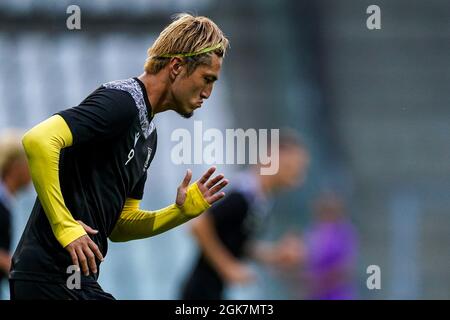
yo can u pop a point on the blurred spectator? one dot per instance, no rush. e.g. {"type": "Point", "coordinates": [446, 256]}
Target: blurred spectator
{"type": "Point", "coordinates": [330, 252]}
{"type": "Point", "coordinates": [224, 232]}
{"type": "Point", "coordinates": [14, 176]}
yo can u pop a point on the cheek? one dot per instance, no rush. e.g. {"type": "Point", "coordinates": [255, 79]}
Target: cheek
{"type": "Point", "coordinates": [197, 86]}
{"type": "Point", "coordinates": [181, 86]}
{"type": "Point", "coordinates": [190, 91]}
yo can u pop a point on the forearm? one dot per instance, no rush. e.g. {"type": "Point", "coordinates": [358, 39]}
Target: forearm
{"type": "Point", "coordinates": [140, 224]}
{"type": "Point", "coordinates": [43, 145]}
{"type": "Point", "coordinates": [212, 247]}
{"type": "Point", "coordinates": [262, 251]}
{"type": "Point", "coordinates": [287, 252]}
{"type": "Point", "coordinates": [135, 223]}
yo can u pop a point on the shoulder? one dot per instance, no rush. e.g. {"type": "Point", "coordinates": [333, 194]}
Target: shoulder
{"type": "Point", "coordinates": [111, 102]}
{"type": "Point", "coordinates": [117, 94]}
{"type": "Point", "coordinates": [129, 88]}
{"type": "Point", "coordinates": [134, 91]}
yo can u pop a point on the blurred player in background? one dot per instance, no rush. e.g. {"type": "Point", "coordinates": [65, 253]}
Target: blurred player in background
{"type": "Point", "coordinates": [89, 166]}
{"type": "Point", "coordinates": [14, 176]}
{"type": "Point", "coordinates": [224, 233]}
{"type": "Point", "coordinates": [329, 253]}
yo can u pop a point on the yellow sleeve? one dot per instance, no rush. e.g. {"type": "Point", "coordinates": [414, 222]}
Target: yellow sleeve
{"type": "Point", "coordinates": [43, 145]}
{"type": "Point", "coordinates": [134, 223]}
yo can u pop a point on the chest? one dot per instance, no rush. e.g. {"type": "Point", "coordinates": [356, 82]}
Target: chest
{"type": "Point", "coordinates": [137, 151]}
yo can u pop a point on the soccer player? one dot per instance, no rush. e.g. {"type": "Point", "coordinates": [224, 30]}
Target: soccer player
{"type": "Point", "coordinates": [89, 165]}
{"type": "Point", "coordinates": [14, 176]}
{"type": "Point", "coordinates": [224, 233]}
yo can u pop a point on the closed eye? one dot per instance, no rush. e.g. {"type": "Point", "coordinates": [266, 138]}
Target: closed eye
{"type": "Point", "coordinates": [210, 79]}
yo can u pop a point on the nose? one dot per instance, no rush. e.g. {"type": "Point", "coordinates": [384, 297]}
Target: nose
{"type": "Point", "coordinates": [206, 92]}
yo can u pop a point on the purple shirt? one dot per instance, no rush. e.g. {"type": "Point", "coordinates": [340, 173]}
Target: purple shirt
{"type": "Point", "coordinates": [331, 259]}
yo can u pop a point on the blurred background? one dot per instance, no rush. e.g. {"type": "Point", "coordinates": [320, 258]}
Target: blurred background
{"type": "Point", "coordinates": [373, 106]}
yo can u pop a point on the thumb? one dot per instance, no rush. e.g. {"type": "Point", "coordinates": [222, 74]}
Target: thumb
{"type": "Point", "coordinates": [187, 178]}
{"type": "Point", "coordinates": [86, 228]}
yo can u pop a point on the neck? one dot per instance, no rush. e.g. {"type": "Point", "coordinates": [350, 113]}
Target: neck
{"type": "Point", "coordinates": [157, 87]}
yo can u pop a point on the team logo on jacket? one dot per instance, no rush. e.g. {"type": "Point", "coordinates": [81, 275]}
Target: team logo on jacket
{"type": "Point", "coordinates": [147, 161]}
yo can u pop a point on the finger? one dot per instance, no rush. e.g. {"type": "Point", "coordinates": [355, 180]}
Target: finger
{"type": "Point", "coordinates": [96, 250]}
{"type": "Point", "coordinates": [88, 229]}
{"type": "Point", "coordinates": [218, 187]}
{"type": "Point", "coordinates": [90, 258]}
{"type": "Point", "coordinates": [214, 180]}
{"type": "Point", "coordinates": [187, 178]}
{"type": "Point", "coordinates": [74, 257]}
{"type": "Point", "coordinates": [215, 197]}
{"type": "Point", "coordinates": [82, 260]}
{"type": "Point", "coordinates": [207, 174]}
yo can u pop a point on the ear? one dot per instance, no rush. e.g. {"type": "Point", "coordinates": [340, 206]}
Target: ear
{"type": "Point", "coordinates": [175, 67]}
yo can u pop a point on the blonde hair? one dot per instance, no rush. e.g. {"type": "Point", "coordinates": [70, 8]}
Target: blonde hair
{"type": "Point", "coordinates": [192, 38]}
{"type": "Point", "coordinates": [11, 149]}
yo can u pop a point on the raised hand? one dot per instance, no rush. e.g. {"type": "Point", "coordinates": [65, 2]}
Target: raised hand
{"type": "Point", "coordinates": [208, 187]}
